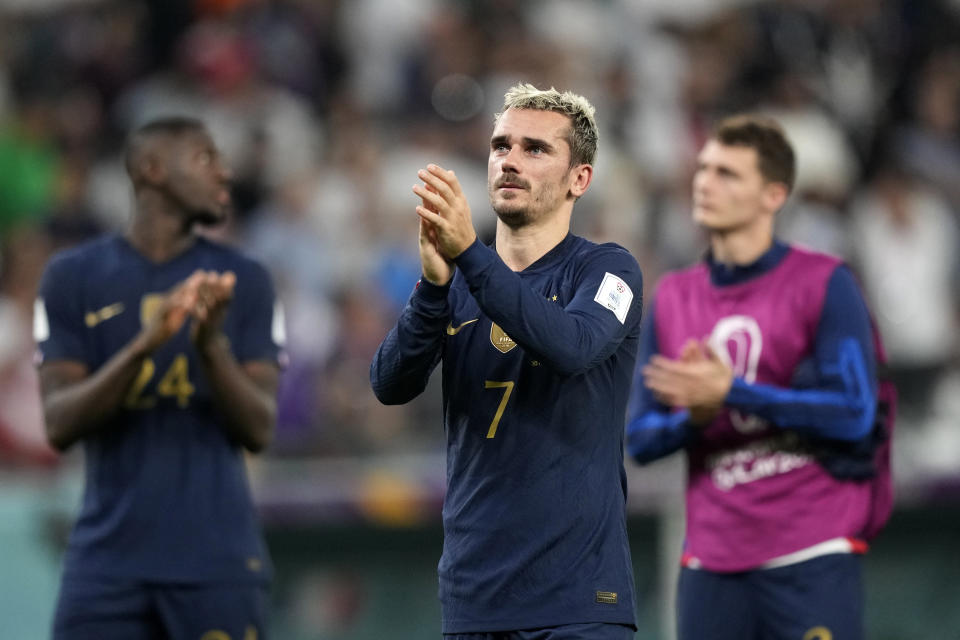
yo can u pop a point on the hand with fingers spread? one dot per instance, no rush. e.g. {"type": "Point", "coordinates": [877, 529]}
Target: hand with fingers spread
{"type": "Point", "coordinates": [214, 293]}
{"type": "Point", "coordinates": [446, 208]}
{"type": "Point", "coordinates": [699, 380]}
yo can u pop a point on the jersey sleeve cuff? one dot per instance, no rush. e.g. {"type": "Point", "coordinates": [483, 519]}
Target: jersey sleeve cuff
{"type": "Point", "coordinates": [431, 294]}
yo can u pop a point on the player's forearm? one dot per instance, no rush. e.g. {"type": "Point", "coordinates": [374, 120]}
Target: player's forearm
{"type": "Point", "coordinates": [74, 409]}
{"type": "Point", "coordinates": [407, 356]}
{"type": "Point", "coordinates": [568, 339]}
{"type": "Point", "coordinates": [655, 434]}
{"type": "Point", "coordinates": [248, 409]}
{"type": "Point", "coordinates": [839, 414]}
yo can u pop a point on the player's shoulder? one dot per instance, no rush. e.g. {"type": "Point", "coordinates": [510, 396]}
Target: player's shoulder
{"type": "Point", "coordinates": [82, 258]}
{"type": "Point", "coordinates": [813, 268]}
{"type": "Point", "coordinates": [589, 251]}
{"type": "Point", "coordinates": [681, 276]}
{"type": "Point", "coordinates": [813, 257]}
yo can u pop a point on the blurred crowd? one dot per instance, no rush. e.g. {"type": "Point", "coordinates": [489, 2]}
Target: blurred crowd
{"type": "Point", "coordinates": [325, 109]}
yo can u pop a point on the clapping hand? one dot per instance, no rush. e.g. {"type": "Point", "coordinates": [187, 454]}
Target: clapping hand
{"type": "Point", "coordinates": [699, 380]}
{"type": "Point", "coordinates": [214, 291]}
{"type": "Point", "coordinates": [446, 209]}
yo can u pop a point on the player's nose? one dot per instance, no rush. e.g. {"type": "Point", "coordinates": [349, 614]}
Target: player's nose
{"type": "Point", "coordinates": [511, 161]}
{"type": "Point", "coordinates": [701, 181]}
{"type": "Point", "coordinates": [224, 173]}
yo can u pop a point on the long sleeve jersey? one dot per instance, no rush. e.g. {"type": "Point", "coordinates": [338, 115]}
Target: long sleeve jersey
{"type": "Point", "coordinates": [536, 372]}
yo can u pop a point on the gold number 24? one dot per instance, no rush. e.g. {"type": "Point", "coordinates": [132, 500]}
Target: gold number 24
{"type": "Point", "coordinates": [175, 383]}
{"type": "Point", "coordinates": [508, 389]}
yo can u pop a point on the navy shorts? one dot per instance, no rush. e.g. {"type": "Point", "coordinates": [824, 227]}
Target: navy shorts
{"type": "Point", "coordinates": [582, 631]}
{"type": "Point", "coordinates": [820, 599]}
{"type": "Point", "coordinates": [128, 610]}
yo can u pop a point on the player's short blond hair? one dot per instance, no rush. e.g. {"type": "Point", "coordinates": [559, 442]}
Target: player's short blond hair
{"type": "Point", "coordinates": [582, 137]}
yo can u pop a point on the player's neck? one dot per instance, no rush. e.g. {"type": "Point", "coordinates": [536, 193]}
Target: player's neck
{"type": "Point", "coordinates": [521, 247]}
{"type": "Point", "coordinates": [742, 246]}
{"type": "Point", "coordinates": [159, 237]}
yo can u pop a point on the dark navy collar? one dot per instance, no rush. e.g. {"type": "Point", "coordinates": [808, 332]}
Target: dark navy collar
{"type": "Point", "coordinates": [551, 257]}
{"type": "Point", "coordinates": [722, 275]}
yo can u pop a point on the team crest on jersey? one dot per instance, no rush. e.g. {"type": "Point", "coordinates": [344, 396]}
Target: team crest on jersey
{"type": "Point", "coordinates": [500, 340]}
{"type": "Point", "coordinates": [149, 305]}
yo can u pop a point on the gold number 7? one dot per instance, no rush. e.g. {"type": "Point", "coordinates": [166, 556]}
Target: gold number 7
{"type": "Point", "coordinates": [508, 386]}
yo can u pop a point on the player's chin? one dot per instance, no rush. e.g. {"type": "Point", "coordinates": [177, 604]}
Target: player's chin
{"type": "Point", "coordinates": [511, 216]}
{"type": "Point", "coordinates": [708, 219]}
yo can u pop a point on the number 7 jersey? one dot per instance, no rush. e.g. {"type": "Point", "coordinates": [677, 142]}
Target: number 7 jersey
{"type": "Point", "coordinates": [536, 372]}
{"type": "Point", "coordinates": [166, 496]}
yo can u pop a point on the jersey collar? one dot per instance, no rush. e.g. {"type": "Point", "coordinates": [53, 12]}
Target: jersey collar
{"type": "Point", "coordinates": [722, 275]}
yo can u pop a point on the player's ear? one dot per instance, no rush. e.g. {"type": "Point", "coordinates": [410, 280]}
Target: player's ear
{"type": "Point", "coordinates": [152, 169]}
{"type": "Point", "coordinates": [580, 178]}
{"type": "Point", "coordinates": [775, 195]}
{"type": "Point", "coordinates": [149, 163]}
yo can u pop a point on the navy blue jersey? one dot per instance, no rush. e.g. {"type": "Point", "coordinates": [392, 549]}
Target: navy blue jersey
{"type": "Point", "coordinates": [166, 496]}
{"type": "Point", "coordinates": [536, 375]}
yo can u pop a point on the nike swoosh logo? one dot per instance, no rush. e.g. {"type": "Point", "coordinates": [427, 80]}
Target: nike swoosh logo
{"type": "Point", "coordinates": [93, 318]}
{"type": "Point", "coordinates": [452, 332]}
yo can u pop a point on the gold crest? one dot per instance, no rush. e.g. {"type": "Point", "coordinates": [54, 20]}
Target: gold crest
{"type": "Point", "coordinates": [500, 340]}
{"type": "Point", "coordinates": [149, 304]}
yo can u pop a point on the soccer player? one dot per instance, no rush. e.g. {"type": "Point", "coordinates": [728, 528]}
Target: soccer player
{"type": "Point", "coordinates": [761, 363]}
{"type": "Point", "coordinates": [538, 337]}
{"type": "Point", "coordinates": [160, 355]}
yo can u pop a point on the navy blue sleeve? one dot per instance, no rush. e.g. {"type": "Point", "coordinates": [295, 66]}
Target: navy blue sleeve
{"type": "Point", "coordinates": [260, 319]}
{"type": "Point", "coordinates": [653, 430]}
{"type": "Point", "coordinates": [59, 315]}
{"type": "Point", "coordinates": [569, 339]}
{"type": "Point", "coordinates": [837, 397]}
{"type": "Point", "coordinates": [408, 355]}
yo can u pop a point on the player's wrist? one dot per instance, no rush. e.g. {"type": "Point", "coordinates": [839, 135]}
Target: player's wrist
{"type": "Point", "coordinates": [437, 279]}
{"type": "Point", "coordinates": [143, 345]}
{"type": "Point", "coordinates": [468, 242]}
{"type": "Point", "coordinates": [428, 289]}
{"type": "Point", "coordinates": [212, 345]}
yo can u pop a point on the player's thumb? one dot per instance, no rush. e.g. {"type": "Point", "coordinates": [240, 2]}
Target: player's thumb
{"type": "Point", "coordinates": [711, 352]}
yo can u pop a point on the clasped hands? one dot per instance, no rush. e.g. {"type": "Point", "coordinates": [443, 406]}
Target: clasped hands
{"type": "Point", "coordinates": [446, 227]}
{"type": "Point", "coordinates": [699, 380]}
{"type": "Point", "coordinates": [203, 297]}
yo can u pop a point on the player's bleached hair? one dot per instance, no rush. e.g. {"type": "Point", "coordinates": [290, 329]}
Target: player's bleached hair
{"type": "Point", "coordinates": [582, 136]}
